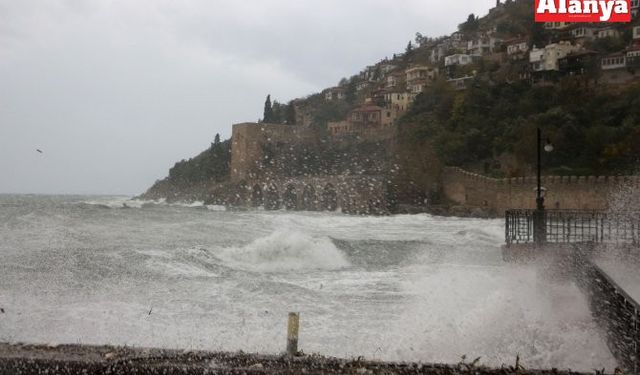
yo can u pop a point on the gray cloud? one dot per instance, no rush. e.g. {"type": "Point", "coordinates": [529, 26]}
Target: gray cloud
{"type": "Point", "coordinates": [114, 92]}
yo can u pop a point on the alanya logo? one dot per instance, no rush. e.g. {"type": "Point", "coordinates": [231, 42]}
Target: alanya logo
{"type": "Point", "coordinates": [583, 11]}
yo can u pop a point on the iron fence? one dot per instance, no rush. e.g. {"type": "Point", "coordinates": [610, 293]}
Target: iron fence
{"type": "Point", "coordinates": [564, 226]}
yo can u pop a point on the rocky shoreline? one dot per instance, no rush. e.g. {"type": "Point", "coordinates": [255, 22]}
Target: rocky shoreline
{"type": "Point", "coordinates": [84, 359]}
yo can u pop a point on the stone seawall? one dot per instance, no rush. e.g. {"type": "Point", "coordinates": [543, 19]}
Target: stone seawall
{"type": "Point", "coordinates": [84, 359]}
{"type": "Point", "coordinates": [562, 192]}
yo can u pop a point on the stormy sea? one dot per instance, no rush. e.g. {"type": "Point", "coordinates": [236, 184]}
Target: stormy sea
{"type": "Point", "coordinates": [111, 270]}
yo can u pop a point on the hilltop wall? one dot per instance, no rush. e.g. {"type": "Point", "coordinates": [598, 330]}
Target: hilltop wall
{"type": "Point", "coordinates": [563, 192]}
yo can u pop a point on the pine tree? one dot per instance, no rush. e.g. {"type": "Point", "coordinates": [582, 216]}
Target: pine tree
{"type": "Point", "coordinates": [268, 110]}
{"type": "Point", "coordinates": [216, 139]}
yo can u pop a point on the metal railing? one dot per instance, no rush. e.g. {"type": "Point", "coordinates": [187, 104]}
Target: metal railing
{"type": "Point", "coordinates": [563, 226]}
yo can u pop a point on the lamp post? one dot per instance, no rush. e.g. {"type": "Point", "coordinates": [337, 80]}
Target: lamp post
{"type": "Point", "coordinates": [540, 225]}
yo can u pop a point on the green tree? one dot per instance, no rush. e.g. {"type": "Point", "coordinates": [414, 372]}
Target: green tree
{"type": "Point", "coordinates": [277, 115]}
{"type": "Point", "coordinates": [471, 25]}
{"type": "Point", "coordinates": [409, 48]}
{"type": "Point", "coordinates": [268, 110]}
{"type": "Point", "coordinates": [290, 115]}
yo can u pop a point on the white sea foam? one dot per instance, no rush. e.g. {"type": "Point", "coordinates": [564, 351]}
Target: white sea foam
{"type": "Point", "coordinates": [128, 202]}
{"type": "Point", "coordinates": [122, 202]}
{"type": "Point", "coordinates": [285, 250]}
{"type": "Point", "coordinates": [214, 207]}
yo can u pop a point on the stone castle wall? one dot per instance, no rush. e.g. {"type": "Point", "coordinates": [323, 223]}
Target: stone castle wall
{"type": "Point", "coordinates": [248, 140]}
{"type": "Point", "coordinates": [255, 183]}
{"type": "Point", "coordinates": [563, 192]}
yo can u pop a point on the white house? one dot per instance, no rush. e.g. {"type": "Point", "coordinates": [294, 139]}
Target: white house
{"type": "Point", "coordinates": [633, 54]}
{"type": "Point", "coordinates": [482, 45]}
{"type": "Point", "coordinates": [517, 48]}
{"type": "Point", "coordinates": [363, 85]}
{"type": "Point", "coordinates": [620, 68]}
{"type": "Point", "coordinates": [458, 59]}
{"type": "Point", "coordinates": [607, 32]}
{"type": "Point", "coordinates": [334, 93]}
{"type": "Point", "coordinates": [437, 54]}
{"type": "Point", "coordinates": [614, 61]}
{"type": "Point", "coordinates": [584, 32]}
{"type": "Point", "coordinates": [545, 59]}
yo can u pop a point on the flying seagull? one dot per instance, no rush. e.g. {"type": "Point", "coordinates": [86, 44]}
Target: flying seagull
{"type": "Point", "coordinates": [39, 150]}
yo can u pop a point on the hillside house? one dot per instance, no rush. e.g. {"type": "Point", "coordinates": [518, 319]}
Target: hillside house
{"type": "Point", "coordinates": [583, 32]}
{"type": "Point", "coordinates": [458, 59]}
{"type": "Point", "coordinates": [616, 70]}
{"type": "Point", "coordinates": [633, 58]}
{"type": "Point", "coordinates": [334, 93]}
{"type": "Point", "coordinates": [437, 54]}
{"type": "Point", "coordinates": [546, 59]}
{"type": "Point", "coordinates": [482, 45]}
{"type": "Point", "coordinates": [557, 25]}
{"type": "Point", "coordinates": [607, 32]}
{"type": "Point", "coordinates": [614, 61]}
{"type": "Point", "coordinates": [456, 41]}
{"type": "Point", "coordinates": [394, 80]}
{"type": "Point", "coordinates": [363, 120]}
{"type": "Point", "coordinates": [517, 48]}
{"type": "Point", "coordinates": [457, 36]}
{"type": "Point", "coordinates": [461, 83]}
{"type": "Point", "coordinates": [578, 63]}
{"type": "Point", "coordinates": [635, 7]}
{"type": "Point", "coordinates": [372, 115]}
{"type": "Point", "coordinates": [419, 77]}
{"type": "Point", "coordinates": [363, 85]}
{"type": "Point", "coordinates": [636, 32]}
{"type": "Point", "coordinates": [398, 100]}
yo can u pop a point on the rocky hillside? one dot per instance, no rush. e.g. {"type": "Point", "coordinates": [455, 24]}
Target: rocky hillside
{"type": "Point", "coordinates": [480, 114]}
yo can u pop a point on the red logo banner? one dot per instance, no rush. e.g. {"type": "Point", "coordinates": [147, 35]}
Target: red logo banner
{"type": "Point", "coordinates": [583, 10]}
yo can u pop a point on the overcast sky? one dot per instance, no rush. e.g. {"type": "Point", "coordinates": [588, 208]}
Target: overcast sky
{"type": "Point", "coordinates": [114, 92]}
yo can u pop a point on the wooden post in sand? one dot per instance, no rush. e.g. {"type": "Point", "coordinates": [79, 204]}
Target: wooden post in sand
{"type": "Point", "coordinates": [292, 333]}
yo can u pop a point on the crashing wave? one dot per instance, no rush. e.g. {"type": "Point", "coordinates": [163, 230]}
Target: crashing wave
{"type": "Point", "coordinates": [285, 250]}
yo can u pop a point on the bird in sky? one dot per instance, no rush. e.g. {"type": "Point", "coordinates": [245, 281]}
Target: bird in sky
{"type": "Point", "coordinates": [39, 150]}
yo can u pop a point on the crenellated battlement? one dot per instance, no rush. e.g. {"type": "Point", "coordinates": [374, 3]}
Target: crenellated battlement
{"type": "Point", "coordinates": [568, 192]}
{"type": "Point", "coordinates": [582, 180]}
